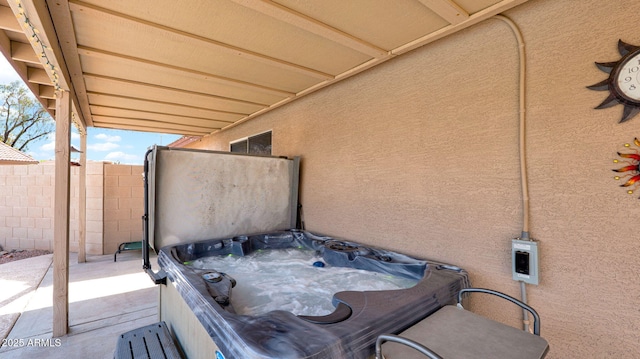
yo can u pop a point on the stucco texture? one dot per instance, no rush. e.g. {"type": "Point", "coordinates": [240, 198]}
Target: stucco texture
{"type": "Point", "coordinates": [420, 155]}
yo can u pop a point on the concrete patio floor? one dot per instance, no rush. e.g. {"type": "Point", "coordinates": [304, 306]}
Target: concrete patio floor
{"type": "Point", "coordinates": [106, 298]}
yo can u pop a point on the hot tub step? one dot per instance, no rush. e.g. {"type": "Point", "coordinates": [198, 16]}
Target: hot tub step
{"type": "Point", "coordinates": [149, 342]}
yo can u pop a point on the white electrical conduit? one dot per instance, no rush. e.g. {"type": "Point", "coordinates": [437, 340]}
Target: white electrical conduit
{"type": "Point", "coordinates": [522, 150]}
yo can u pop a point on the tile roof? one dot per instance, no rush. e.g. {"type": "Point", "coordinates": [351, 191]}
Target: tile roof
{"type": "Point", "coordinates": [183, 141]}
{"type": "Point", "coordinates": [11, 156]}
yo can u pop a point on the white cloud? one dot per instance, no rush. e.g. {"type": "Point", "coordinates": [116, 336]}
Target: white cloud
{"type": "Point", "coordinates": [107, 138]}
{"type": "Point", "coordinates": [47, 150]}
{"type": "Point", "coordinates": [49, 146]}
{"type": "Point", "coordinates": [107, 146]}
{"type": "Point", "coordinates": [7, 73]}
{"type": "Point", "coordinates": [121, 157]}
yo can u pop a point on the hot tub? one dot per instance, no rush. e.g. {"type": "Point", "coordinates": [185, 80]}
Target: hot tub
{"type": "Point", "coordinates": [348, 332]}
{"type": "Point", "coordinates": [192, 196]}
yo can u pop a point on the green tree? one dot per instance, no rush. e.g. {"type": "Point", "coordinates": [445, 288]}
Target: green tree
{"type": "Point", "coordinates": [22, 118]}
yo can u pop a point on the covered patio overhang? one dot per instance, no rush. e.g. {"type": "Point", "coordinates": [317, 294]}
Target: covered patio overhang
{"type": "Point", "coordinates": [197, 67]}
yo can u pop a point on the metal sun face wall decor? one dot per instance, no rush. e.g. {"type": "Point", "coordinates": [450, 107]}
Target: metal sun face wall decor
{"type": "Point", "coordinates": [623, 82]}
{"type": "Point", "coordinates": [630, 173]}
{"type": "Point", "coordinates": [623, 85]}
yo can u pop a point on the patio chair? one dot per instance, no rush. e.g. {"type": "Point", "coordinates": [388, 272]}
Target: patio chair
{"type": "Point", "coordinates": [455, 333]}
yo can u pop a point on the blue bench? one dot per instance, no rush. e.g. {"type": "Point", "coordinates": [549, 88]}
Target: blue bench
{"type": "Point", "coordinates": [127, 246]}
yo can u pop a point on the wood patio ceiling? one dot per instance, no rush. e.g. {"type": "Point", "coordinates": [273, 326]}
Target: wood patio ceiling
{"type": "Point", "coordinates": [193, 67]}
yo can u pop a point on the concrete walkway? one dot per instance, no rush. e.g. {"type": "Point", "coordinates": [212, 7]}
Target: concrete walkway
{"type": "Point", "coordinates": [106, 298]}
{"type": "Point", "coordinates": [19, 281]}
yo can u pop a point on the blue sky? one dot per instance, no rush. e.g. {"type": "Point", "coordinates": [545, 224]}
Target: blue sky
{"type": "Point", "coordinates": [127, 147]}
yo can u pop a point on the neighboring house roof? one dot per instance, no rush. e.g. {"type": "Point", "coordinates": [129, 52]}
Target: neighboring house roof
{"type": "Point", "coordinates": [183, 141]}
{"type": "Point", "coordinates": [12, 156]}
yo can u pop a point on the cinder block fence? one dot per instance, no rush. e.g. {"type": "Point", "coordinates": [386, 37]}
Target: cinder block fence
{"type": "Point", "coordinates": [114, 206]}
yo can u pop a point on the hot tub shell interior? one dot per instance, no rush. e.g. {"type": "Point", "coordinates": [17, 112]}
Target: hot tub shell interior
{"type": "Point", "coordinates": [349, 332]}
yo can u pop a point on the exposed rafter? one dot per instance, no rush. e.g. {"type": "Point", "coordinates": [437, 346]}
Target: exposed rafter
{"type": "Point", "coordinates": [34, 22]}
{"type": "Point", "coordinates": [38, 76]}
{"type": "Point", "coordinates": [447, 9]}
{"type": "Point", "coordinates": [472, 20]}
{"type": "Point", "coordinates": [200, 41]}
{"type": "Point", "coordinates": [24, 53]}
{"type": "Point", "coordinates": [108, 100]}
{"type": "Point", "coordinates": [155, 122]}
{"type": "Point", "coordinates": [311, 25]}
{"type": "Point", "coordinates": [302, 49]}
{"type": "Point", "coordinates": [120, 124]}
{"type": "Point", "coordinates": [61, 16]}
{"type": "Point", "coordinates": [152, 87]}
{"type": "Point", "coordinates": [180, 71]}
{"type": "Point", "coordinates": [8, 21]}
{"type": "Point", "coordinates": [142, 115]}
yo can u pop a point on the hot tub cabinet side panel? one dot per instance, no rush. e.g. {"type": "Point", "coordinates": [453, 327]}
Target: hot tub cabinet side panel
{"type": "Point", "coordinates": [183, 324]}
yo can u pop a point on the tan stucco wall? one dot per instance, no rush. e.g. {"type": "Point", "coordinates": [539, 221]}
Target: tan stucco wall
{"type": "Point", "coordinates": [420, 155]}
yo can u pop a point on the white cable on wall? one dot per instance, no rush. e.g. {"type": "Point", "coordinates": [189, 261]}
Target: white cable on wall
{"type": "Point", "coordinates": [522, 150]}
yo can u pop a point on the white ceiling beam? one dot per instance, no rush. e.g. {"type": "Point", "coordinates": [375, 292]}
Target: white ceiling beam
{"type": "Point", "coordinates": [199, 41]}
{"type": "Point", "coordinates": [61, 19]}
{"type": "Point", "coordinates": [447, 10]}
{"type": "Point", "coordinates": [143, 115]}
{"type": "Point", "coordinates": [111, 100]}
{"type": "Point", "coordinates": [7, 20]}
{"type": "Point", "coordinates": [153, 122]}
{"type": "Point", "coordinates": [142, 91]}
{"type": "Point", "coordinates": [148, 129]}
{"type": "Point", "coordinates": [473, 19]}
{"type": "Point", "coordinates": [172, 89]}
{"type": "Point", "coordinates": [153, 126]}
{"type": "Point", "coordinates": [447, 30]}
{"type": "Point", "coordinates": [301, 21]}
{"type": "Point", "coordinates": [180, 71]}
{"type": "Point", "coordinates": [176, 104]}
